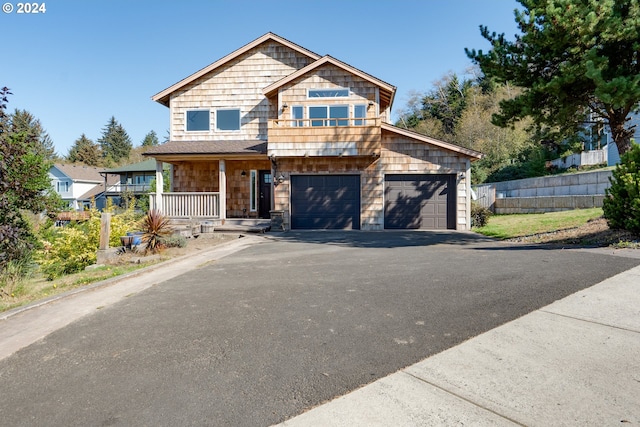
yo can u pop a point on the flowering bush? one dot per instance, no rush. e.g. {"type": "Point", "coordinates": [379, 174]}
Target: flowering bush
{"type": "Point", "coordinates": [70, 249]}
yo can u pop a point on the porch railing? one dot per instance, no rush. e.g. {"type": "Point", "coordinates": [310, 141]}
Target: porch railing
{"type": "Point", "coordinates": [133, 188]}
{"type": "Point", "coordinates": [188, 205]}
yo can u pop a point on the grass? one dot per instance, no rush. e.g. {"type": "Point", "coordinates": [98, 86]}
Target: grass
{"type": "Point", "coordinates": [38, 287]}
{"type": "Point", "coordinates": [512, 226]}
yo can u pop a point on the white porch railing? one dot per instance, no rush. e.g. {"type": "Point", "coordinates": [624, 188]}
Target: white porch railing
{"type": "Point", "coordinates": [188, 205]}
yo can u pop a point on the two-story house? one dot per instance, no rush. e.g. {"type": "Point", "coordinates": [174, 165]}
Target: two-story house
{"type": "Point", "coordinates": [135, 179]}
{"type": "Point", "coordinates": [77, 185]}
{"type": "Point", "coordinates": [274, 126]}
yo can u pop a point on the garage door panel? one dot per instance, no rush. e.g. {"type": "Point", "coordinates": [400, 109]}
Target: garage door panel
{"type": "Point", "coordinates": [420, 201]}
{"type": "Point", "coordinates": [325, 201]}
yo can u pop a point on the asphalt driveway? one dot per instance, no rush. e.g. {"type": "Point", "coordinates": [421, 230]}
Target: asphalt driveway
{"type": "Point", "coordinates": [280, 327]}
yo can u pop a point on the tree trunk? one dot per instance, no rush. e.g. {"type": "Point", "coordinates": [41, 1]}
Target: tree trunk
{"type": "Point", "coordinates": [621, 135]}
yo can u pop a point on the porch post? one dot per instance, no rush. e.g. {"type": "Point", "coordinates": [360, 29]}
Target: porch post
{"type": "Point", "coordinates": [222, 181]}
{"type": "Point", "coordinates": [159, 186]}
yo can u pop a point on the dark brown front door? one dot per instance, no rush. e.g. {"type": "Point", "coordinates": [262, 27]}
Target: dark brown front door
{"type": "Point", "coordinates": [264, 186]}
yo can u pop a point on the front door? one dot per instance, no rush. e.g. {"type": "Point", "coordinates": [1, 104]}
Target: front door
{"type": "Point", "coordinates": [264, 186]}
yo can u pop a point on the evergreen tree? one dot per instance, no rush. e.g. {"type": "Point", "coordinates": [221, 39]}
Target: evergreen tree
{"type": "Point", "coordinates": [85, 151]}
{"type": "Point", "coordinates": [115, 142]}
{"type": "Point", "coordinates": [24, 185]}
{"type": "Point", "coordinates": [573, 57]}
{"type": "Point", "coordinates": [150, 140]}
{"type": "Point", "coordinates": [24, 121]}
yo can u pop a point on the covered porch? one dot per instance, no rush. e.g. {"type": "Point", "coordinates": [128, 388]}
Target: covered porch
{"type": "Point", "coordinates": [211, 185]}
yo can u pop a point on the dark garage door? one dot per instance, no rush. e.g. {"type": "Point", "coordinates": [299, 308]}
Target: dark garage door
{"type": "Point", "coordinates": [419, 201]}
{"type": "Point", "coordinates": [325, 201]}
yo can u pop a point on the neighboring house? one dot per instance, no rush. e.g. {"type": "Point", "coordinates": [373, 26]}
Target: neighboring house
{"type": "Point", "coordinates": [134, 179]}
{"type": "Point", "coordinates": [274, 126]}
{"type": "Point", "coordinates": [77, 185]}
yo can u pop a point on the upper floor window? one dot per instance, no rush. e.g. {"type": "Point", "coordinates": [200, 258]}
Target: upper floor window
{"type": "Point", "coordinates": [328, 93]}
{"type": "Point", "coordinates": [297, 114]}
{"type": "Point", "coordinates": [359, 112]}
{"type": "Point", "coordinates": [197, 120]}
{"type": "Point", "coordinates": [330, 114]}
{"type": "Point", "coordinates": [228, 119]}
{"type": "Point", "coordinates": [62, 186]}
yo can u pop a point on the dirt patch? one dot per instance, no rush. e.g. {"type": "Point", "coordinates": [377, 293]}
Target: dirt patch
{"type": "Point", "coordinates": [595, 233]}
{"type": "Point", "coordinates": [194, 244]}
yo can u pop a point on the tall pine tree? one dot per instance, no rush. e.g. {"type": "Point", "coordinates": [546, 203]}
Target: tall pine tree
{"type": "Point", "coordinates": [150, 140]}
{"type": "Point", "coordinates": [24, 121]}
{"type": "Point", "coordinates": [573, 57]}
{"type": "Point", "coordinates": [115, 142]}
{"type": "Point", "coordinates": [85, 151]}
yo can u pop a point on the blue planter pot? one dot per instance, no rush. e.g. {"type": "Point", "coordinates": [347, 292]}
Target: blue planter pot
{"type": "Point", "coordinates": [137, 237]}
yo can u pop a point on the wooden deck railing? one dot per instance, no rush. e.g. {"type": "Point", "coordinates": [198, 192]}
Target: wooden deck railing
{"type": "Point", "coordinates": [189, 205]}
{"type": "Point", "coordinates": [325, 122]}
{"type": "Point", "coordinates": [133, 188]}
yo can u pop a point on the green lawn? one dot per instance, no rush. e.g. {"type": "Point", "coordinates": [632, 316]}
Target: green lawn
{"type": "Point", "coordinates": [510, 226]}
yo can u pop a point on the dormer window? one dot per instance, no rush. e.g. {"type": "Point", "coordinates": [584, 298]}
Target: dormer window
{"type": "Point", "coordinates": [328, 93]}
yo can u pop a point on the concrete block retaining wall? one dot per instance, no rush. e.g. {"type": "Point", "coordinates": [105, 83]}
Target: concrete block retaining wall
{"type": "Point", "coordinates": [546, 204]}
{"type": "Point", "coordinates": [546, 194]}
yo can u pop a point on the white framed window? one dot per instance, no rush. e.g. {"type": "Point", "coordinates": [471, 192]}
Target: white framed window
{"type": "Point", "coordinates": [63, 186]}
{"type": "Point", "coordinates": [329, 115]}
{"type": "Point", "coordinates": [328, 93]}
{"type": "Point", "coordinates": [197, 120]}
{"type": "Point", "coordinates": [228, 119]}
{"type": "Point", "coordinates": [297, 115]}
{"type": "Point", "coordinates": [253, 190]}
{"type": "Point", "coordinates": [359, 112]}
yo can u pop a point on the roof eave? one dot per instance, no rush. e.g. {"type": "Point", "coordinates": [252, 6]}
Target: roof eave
{"type": "Point", "coordinates": [472, 154]}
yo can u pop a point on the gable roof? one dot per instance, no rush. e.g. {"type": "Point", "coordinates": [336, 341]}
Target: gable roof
{"type": "Point", "coordinates": [472, 154]}
{"type": "Point", "coordinates": [80, 172]}
{"type": "Point", "coordinates": [163, 97]}
{"type": "Point", "coordinates": [386, 95]}
{"type": "Point", "coordinates": [99, 189]}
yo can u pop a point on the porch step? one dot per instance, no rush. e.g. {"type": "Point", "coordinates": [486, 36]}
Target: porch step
{"type": "Point", "coordinates": [191, 227]}
{"type": "Point", "coordinates": [244, 224]}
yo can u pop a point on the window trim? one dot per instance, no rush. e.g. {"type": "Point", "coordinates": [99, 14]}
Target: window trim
{"type": "Point", "coordinates": [341, 89]}
{"type": "Point", "coordinates": [186, 120]}
{"type": "Point", "coordinates": [239, 119]}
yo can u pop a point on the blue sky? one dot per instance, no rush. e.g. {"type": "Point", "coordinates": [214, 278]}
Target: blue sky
{"type": "Point", "coordinates": [81, 62]}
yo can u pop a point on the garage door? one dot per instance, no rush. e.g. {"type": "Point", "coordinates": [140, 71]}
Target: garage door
{"type": "Point", "coordinates": [325, 201]}
{"type": "Point", "coordinates": [419, 201]}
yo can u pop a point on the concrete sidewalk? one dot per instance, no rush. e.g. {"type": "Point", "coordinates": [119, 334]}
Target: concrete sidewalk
{"type": "Point", "coordinates": [574, 362]}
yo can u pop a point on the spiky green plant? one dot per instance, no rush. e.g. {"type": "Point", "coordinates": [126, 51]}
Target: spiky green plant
{"type": "Point", "coordinates": [155, 227]}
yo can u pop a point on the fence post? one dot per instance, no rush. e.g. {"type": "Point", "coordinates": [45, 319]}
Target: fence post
{"type": "Point", "coordinates": [105, 231]}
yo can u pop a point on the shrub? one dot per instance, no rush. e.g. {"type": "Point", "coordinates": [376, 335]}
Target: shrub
{"type": "Point", "coordinates": [479, 215]}
{"type": "Point", "coordinates": [12, 276]}
{"type": "Point", "coordinates": [175, 241]}
{"type": "Point", "coordinates": [621, 204]}
{"type": "Point", "coordinates": [155, 227]}
{"type": "Point", "coordinates": [70, 249]}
